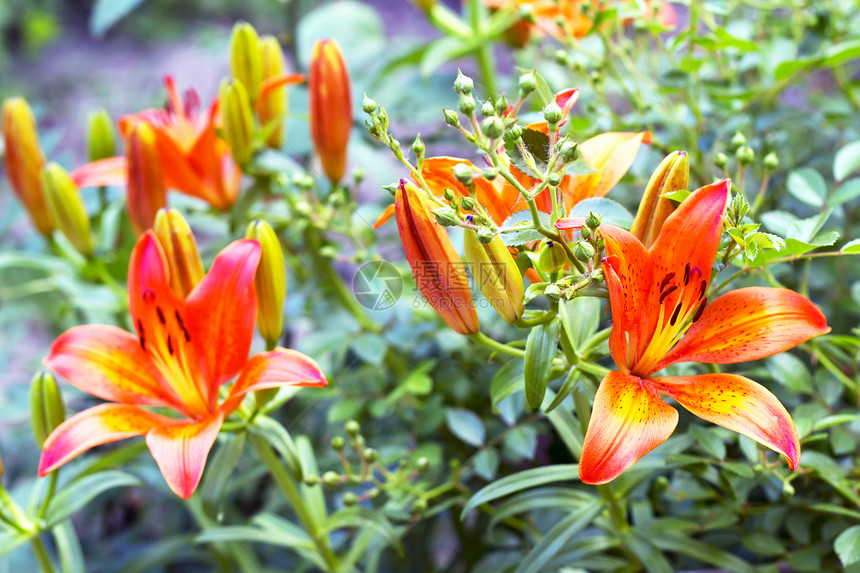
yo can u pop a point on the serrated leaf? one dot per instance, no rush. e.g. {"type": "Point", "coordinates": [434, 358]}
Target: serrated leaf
{"type": "Point", "coordinates": [521, 481]}
{"type": "Point", "coordinates": [466, 425]}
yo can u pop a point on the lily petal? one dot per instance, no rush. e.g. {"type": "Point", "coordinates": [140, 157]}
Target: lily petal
{"type": "Point", "coordinates": [98, 425]}
{"type": "Point", "coordinates": [181, 449]}
{"type": "Point", "coordinates": [628, 420]}
{"type": "Point", "coordinates": [279, 367]}
{"type": "Point", "coordinates": [739, 404]}
{"type": "Point", "coordinates": [102, 173]}
{"type": "Point", "coordinates": [271, 84]}
{"type": "Point", "coordinates": [748, 324]}
{"type": "Point", "coordinates": [386, 215]}
{"type": "Point", "coordinates": [109, 363]}
{"type": "Point", "coordinates": [221, 311]}
{"type": "Point", "coordinates": [611, 154]}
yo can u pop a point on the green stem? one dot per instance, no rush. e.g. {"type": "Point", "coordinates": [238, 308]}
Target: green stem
{"type": "Point", "coordinates": [41, 553]}
{"type": "Point", "coordinates": [499, 347]}
{"type": "Point", "coordinates": [49, 495]}
{"type": "Point", "coordinates": [295, 499]}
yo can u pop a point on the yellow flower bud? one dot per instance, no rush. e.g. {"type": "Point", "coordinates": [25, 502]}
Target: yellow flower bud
{"type": "Point", "coordinates": [23, 160]}
{"type": "Point", "coordinates": [66, 207]}
{"type": "Point", "coordinates": [100, 136]}
{"type": "Point", "coordinates": [330, 106]}
{"type": "Point", "coordinates": [552, 257]}
{"type": "Point", "coordinates": [272, 107]}
{"type": "Point", "coordinates": [46, 406]}
{"type": "Point", "coordinates": [671, 175]}
{"type": "Point", "coordinates": [237, 120]}
{"type": "Point", "coordinates": [270, 282]}
{"type": "Point", "coordinates": [496, 273]}
{"type": "Point", "coordinates": [146, 192]}
{"type": "Point", "coordinates": [180, 247]}
{"type": "Point", "coordinates": [245, 57]}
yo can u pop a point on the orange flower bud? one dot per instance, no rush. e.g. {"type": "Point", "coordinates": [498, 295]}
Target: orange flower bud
{"type": "Point", "coordinates": [66, 208]}
{"type": "Point", "coordinates": [272, 107]}
{"type": "Point", "coordinates": [270, 281]}
{"type": "Point", "coordinates": [147, 192]}
{"type": "Point", "coordinates": [330, 107]}
{"type": "Point", "coordinates": [439, 271]}
{"type": "Point", "coordinates": [183, 258]}
{"type": "Point", "coordinates": [671, 175]}
{"type": "Point", "coordinates": [23, 160]}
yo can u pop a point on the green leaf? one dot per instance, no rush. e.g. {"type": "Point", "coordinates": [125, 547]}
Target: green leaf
{"type": "Point", "coordinates": [540, 350]}
{"type": "Point", "coordinates": [851, 247]}
{"type": "Point", "coordinates": [527, 234]}
{"type": "Point", "coordinates": [539, 499]}
{"type": "Point", "coordinates": [466, 425]}
{"type": "Point", "coordinates": [81, 491]}
{"type": "Point", "coordinates": [509, 378]}
{"type": "Point", "coordinates": [520, 481]}
{"type": "Point", "coordinates": [486, 464]}
{"type": "Point", "coordinates": [789, 370]}
{"type": "Point", "coordinates": [678, 542]}
{"type": "Point", "coordinates": [763, 544]}
{"type": "Point", "coordinates": [848, 191]}
{"type": "Point", "coordinates": [644, 549]}
{"type": "Point", "coordinates": [360, 516]}
{"type": "Point", "coordinates": [807, 186]}
{"type": "Point", "coordinates": [581, 318]}
{"type": "Point", "coordinates": [847, 161]}
{"type": "Point", "coordinates": [71, 556]}
{"type": "Point", "coordinates": [279, 438]}
{"type": "Point", "coordinates": [611, 212]}
{"type": "Point", "coordinates": [370, 347]}
{"type": "Point", "coordinates": [9, 540]}
{"type": "Point", "coordinates": [106, 13]}
{"type": "Point", "coordinates": [726, 40]}
{"type": "Point", "coordinates": [678, 195]}
{"type": "Point", "coordinates": [554, 541]}
{"type": "Point", "coordinates": [218, 472]}
{"type": "Point", "coordinates": [520, 443]}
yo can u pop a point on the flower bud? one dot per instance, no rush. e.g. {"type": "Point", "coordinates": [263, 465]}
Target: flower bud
{"type": "Point", "coordinates": [770, 161]}
{"type": "Point", "coordinates": [490, 173]}
{"type": "Point", "coordinates": [496, 273]}
{"type": "Point", "coordinates": [422, 464]}
{"type": "Point", "coordinates": [418, 150]}
{"type": "Point", "coordinates": [467, 104]}
{"type": "Point", "coordinates": [468, 204]}
{"type": "Point", "coordinates": [463, 85]}
{"type": "Point", "coordinates": [446, 216]}
{"type": "Point", "coordinates": [552, 257]}
{"type": "Point", "coordinates": [493, 127]}
{"type": "Point", "coordinates": [568, 150]}
{"type": "Point", "coordinates": [331, 107]}
{"type": "Point", "coordinates": [23, 161]}
{"type": "Point", "coordinates": [66, 207]}
{"type": "Point", "coordinates": [745, 154]}
{"type": "Point", "coordinates": [368, 105]}
{"type": "Point", "coordinates": [246, 61]}
{"type": "Point", "coordinates": [237, 120]}
{"type": "Point", "coordinates": [100, 136]}
{"type": "Point", "coordinates": [349, 499]}
{"type": "Point", "coordinates": [331, 479]}
{"type": "Point", "coordinates": [515, 133]}
{"type": "Point", "coordinates": [272, 108]}
{"type": "Point", "coordinates": [488, 109]}
{"type": "Point", "coordinates": [448, 194]}
{"type": "Point", "coordinates": [438, 269]}
{"type": "Point", "coordinates": [46, 406]}
{"type": "Point", "coordinates": [592, 220]}
{"type": "Point", "coordinates": [672, 174]}
{"type": "Point", "coordinates": [552, 112]}
{"type": "Point", "coordinates": [738, 139]}
{"type": "Point", "coordinates": [721, 160]}
{"type": "Point", "coordinates": [451, 117]}
{"type": "Point", "coordinates": [554, 179]}
{"type": "Point", "coordinates": [180, 249]}
{"type": "Point", "coordinates": [146, 191]}
{"type": "Point", "coordinates": [463, 172]}
{"type": "Point", "coordinates": [270, 282]}
{"type": "Point", "coordinates": [337, 443]}
{"type": "Point", "coordinates": [528, 84]}
{"type": "Point", "coordinates": [502, 103]}
{"type": "Point", "coordinates": [370, 455]}
{"type": "Point", "coordinates": [352, 428]}
{"type": "Point", "coordinates": [583, 251]}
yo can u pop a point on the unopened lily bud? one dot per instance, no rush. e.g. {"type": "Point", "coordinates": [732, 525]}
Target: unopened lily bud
{"type": "Point", "coordinates": [552, 112]}
{"type": "Point", "coordinates": [451, 117]}
{"type": "Point", "coordinates": [100, 136]}
{"type": "Point", "coordinates": [180, 249]}
{"type": "Point", "coordinates": [246, 62]}
{"type": "Point", "coordinates": [745, 154]}
{"type": "Point", "coordinates": [270, 282]}
{"type": "Point", "coordinates": [721, 160]}
{"type": "Point", "coordinates": [438, 269]}
{"type": "Point", "coordinates": [583, 251]}
{"type": "Point", "coordinates": [67, 208]}
{"type": "Point", "coordinates": [672, 174]}
{"type": "Point", "coordinates": [493, 127]}
{"type": "Point", "coordinates": [463, 85]}
{"type": "Point", "coordinates": [592, 220]}
{"type": "Point", "coordinates": [552, 257]}
{"type": "Point", "coordinates": [331, 107]}
{"type": "Point", "coordinates": [238, 120]}
{"type": "Point", "coordinates": [467, 104]}
{"type": "Point", "coordinates": [770, 161]}
{"type": "Point", "coordinates": [368, 105]}
{"type": "Point", "coordinates": [528, 84]}
{"type": "Point", "coordinates": [488, 109]}
{"type": "Point", "coordinates": [46, 406]}
{"type": "Point", "coordinates": [146, 191]}
{"type": "Point", "coordinates": [496, 273]}
{"type": "Point", "coordinates": [446, 216]}
{"type": "Point", "coordinates": [463, 172]}
{"type": "Point", "coordinates": [738, 139]}
{"type": "Point", "coordinates": [23, 161]}
{"type": "Point", "coordinates": [272, 107]}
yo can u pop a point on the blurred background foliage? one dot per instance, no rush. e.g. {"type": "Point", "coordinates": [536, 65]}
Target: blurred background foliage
{"type": "Point", "coordinates": [783, 74]}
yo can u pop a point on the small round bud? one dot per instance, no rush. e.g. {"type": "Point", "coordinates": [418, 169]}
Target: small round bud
{"type": "Point", "coordinates": [592, 220]}
{"type": "Point", "coordinates": [596, 77]}
{"type": "Point", "coordinates": [568, 150]}
{"type": "Point", "coordinates": [451, 117]}
{"type": "Point", "coordinates": [583, 251]}
{"type": "Point", "coordinates": [493, 127]}
{"type": "Point", "coordinates": [446, 216]}
{"type": "Point", "coordinates": [552, 112]}
{"type": "Point", "coordinates": [562, 57]}
{"type": "Point", "coordinates": [597, 275]}
{"type": "Point", "coordinates": [770, 161]}
{"type": "Point", "coordinates": [738, 139]}
{"type": "Point", "coordinates": [463, 173]}
{"type": "Point", "coordinates": [404, 464]}
{"type": "Point", "coordinates": [448, 194]}
{"type": "Point", "coordinates": [485, 235]}
{"type": "Point", "coordinates": [554, 179]}
{"type": "Point", "coordinates": [371, 455]}
{"type": "Point", "coordinates": [368, 105]}
{"type": "Point", "coordinates": [502, 103]}
{"type": "Point", "coordinates": [331, 479]}
{"type": "Point", "coordinates": [552, 291]}
{"type": "Point", "coordinates": [382, 117]}
{"type": "Point", "coordinates": [586, 232]}
{"type": "Point", "coordinates": [528, 83]}
{"type": "Point", "coordinates": [721, 160]}
{"type": "Point", "coordinates": [419, 506]}
{"type": "Point", "coordinates": [349, 499]}
{"type": "Point", "coordinates": [418, 146]}
{"type": "Point", "coordinates": [552, 257]}
{"type": "Point", "coordinates": [601, 244]}
{"type": "Point", "coordinates": [337, 443]}
{"type": "Point", "coordinates": [487, 109]}
{"type": "Point", "coordinates": [490, 173]}
{"type": "Point", "coordinates": [745, 154]}
{"type": "Point", "coordinates": [311, 480]}
{"type": "Point", "coordinates": [467, 204]}
{"type": "Point", "coordinates": [661, 483]}
{"type": "Point", "coordinates": [358, 174]}
{"type": "Point", "coordinates": [787, 489]}
{"type": "Point", "coordinates": [515, 133]}
{"type": "Point", "coordinates": [467, 104]}
{"type": "Point", "coordinates": [352, 428]}
{"type": "Point", "coordinates": [422, 464]}
{"type": "Point", "coordinates": [463, 84]}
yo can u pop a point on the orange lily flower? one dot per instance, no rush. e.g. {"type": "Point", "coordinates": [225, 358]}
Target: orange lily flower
{"type": "Point", "coordinates": [184, 350]}
{"type": "Point", "coordinates": [657, 296]}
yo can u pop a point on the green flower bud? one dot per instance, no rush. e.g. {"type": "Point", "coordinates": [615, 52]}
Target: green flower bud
{"type": "Point", "coordinates": [311, 480]}
{"type": "Point", "coordinates": [487, 109]}
{"type": "Point", "coordinates": [463, 85]}
{"type": "Point", "coordinates": [352, 428]}
{"type": "Point", "coordinates": [368, 105]}
{"type": "Point", "coordinates": [554, 179]}
{"type": "Point", "coordinates": [502, 103]}
{"type": "Point", "coordinates": [448, 194]}
{"type": "Point", "coordinates": [468, 204]}
{"type": "Point", "coordinates": [446, 216]}
{"type": "Point", "coordinates": [485, 236]}
{"type": "Point", "coordinates": [463, 173]}
{"type": "Point", "coordinates": [592, 220]}
{"type": "Point", "coordinates": [46, 406]}
{"type": "Point", "coordinates": [552, 113]}
{"type": "Point", "coordinates": [349, 499]}
{"type": "Point", "coordinates": [583, 251]}
{"type": "Point", "coordinates": [337, 443]}
{"type": "Point", "coordinates": [552, 257]}
{"type": "Point", "coordinates": [370, 455]}
{"type": "Point", "coordinates": [745, 154]}
{"type": "Point", "coordinates": [419, 506]}
{"type": "Point", "coordinates": [515, 133]}
{"type": "Point", "coordinates": [721, 160]}
{"type": "Point", "coordinates": [528, 83]}
{"type": "Point", "coordinates": [358, 174]}
{"type": "Point", "coordinates": [422, 464]}
{"type": "Point", "coordinates": [597, 275]}
{"type": "Point", "coordinates": [562, 57]}
{"type": "Point", "coordinates": [493, 127]}
{"type": "Point", "coordinates": [661, 483]}
{"type": "Point", "coordinates": [451, 117]}
{"type": "Point", "coordinates": [490, 173]}
{"type": "Point", "coordinates": [738, 139]}
{"type": "Point", "coordinates": [770, 161]}
{"type": "Point", "coordinates": [467, 104]}
{"type": "Point", "coordinates": [568, 150]}
{"type": "Point", "coordinates": [66, 207]}
{"type": "Point", "coordinates": [246, 58]}
{"type": "Point", "coordinates": [382, 118]}
{"type": "Point", "coordinates": [418, 150]}
{"type": "Point", "coordinates": [331, 479]}
{"type": "Point", "coordinates": [552, 291]}
{"type": "Point", "coordinates": [100, 136]}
